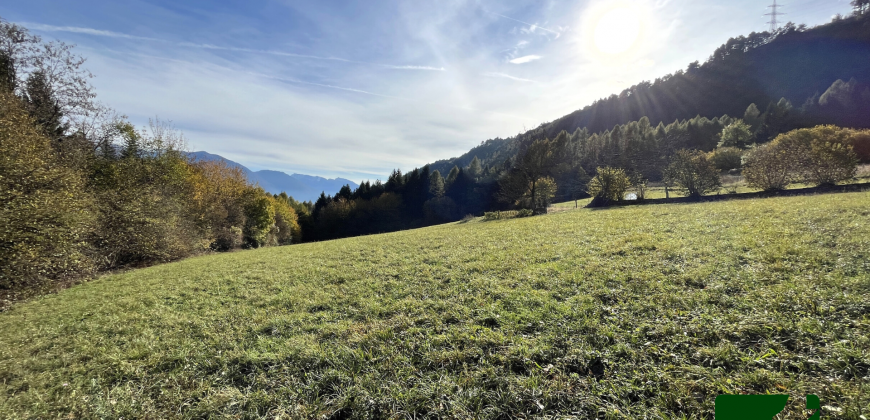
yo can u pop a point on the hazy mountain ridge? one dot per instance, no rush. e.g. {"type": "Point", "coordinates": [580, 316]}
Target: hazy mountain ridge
{"type": "Point", "coordinates": [299, 186]}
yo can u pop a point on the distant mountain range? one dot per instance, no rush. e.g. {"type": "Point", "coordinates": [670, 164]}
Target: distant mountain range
{"type": "Point", "coordinates": [300, 187]}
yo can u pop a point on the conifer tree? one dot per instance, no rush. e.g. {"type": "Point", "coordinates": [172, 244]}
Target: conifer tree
{"type": "Point", "coordinates": [43, 106]}
{"type": "Point", "coordinates": [436, 184]}
{"type": "Point", "coordinates": [474, 168]}
{"type": "Point", "coordinates": [452, 176]}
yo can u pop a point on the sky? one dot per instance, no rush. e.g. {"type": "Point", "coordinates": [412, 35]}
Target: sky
{"type": "Point", "coordinates": [354, 89]}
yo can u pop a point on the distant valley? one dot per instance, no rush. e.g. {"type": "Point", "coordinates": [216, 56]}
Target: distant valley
{"type": "Point", "coordinates": [300, 187]}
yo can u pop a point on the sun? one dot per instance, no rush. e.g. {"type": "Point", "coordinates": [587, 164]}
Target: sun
{"type": "Point", "coordinates": [616, 32]}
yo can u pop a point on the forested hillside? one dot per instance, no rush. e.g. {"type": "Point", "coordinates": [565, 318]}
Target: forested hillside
{"type": "Point", "coordinates": [823, 73]}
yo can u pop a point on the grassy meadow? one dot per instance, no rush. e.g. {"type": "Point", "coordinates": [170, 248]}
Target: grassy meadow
{"type": "Point", "coordinates": [635, 312]}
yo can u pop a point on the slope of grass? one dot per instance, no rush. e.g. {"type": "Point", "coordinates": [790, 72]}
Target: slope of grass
{"type": "Point", "coordinates": [638, 312]}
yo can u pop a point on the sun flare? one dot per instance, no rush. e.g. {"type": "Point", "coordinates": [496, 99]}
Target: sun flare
{"type": "Point", "coordinates": [616, 31]}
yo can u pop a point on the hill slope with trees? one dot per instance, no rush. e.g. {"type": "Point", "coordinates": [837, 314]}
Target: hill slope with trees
{"type": "Point", "coordinates": [823, 73]}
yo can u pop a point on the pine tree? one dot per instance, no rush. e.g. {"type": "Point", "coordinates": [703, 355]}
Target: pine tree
{"type": "Point", "coordinates": [452, 176]}
{"type": "Point", "coordinates": [474, 168]}
{"type": "Point", "coordinates": [43, 106]}
{"type": "Point", "coordinates": [7, 72]}
{"type": "Point", "coordinates": [436, 184]}
{"type": "Point", "coordinates": [752, 116]}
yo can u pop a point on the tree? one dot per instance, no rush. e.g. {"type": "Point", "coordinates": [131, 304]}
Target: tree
{"type": "Point", "coordinates": [522, 184]}
{"type": "Point", "coordinates": [61, 74]}
{"type": "Point", "coordinates": [43, 107]}
{"type": "Point", "coordinates": [752, 116]}
{"type": "Point", "coordinates": [474, 168]}
{"type": "Point", "coordinates": [452, 175]}
{"type": "Point", "coordinates": [436, 184]}
{"type": "Point", "coordinates": [539, 194]}
{"type": "Point", "coordinates": [861, 6]}
{"type": "Point", "coordinates": [691, 172]}
{"type": "Point", "coordinates": [738, 134]}
{"type": "Point", "coordinates": [608, 185]}
{"type": "Point", "coordinates": [46, 212]}
{"type": "Point", "coordinates": [286, 228]}
{"type": "Point", "coordinates": [7, 73]}
{"type": "Point", "coordinates": [260, 215]}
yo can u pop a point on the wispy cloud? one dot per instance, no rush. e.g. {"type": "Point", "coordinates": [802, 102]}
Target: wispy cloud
{"type": "Point", "coordinates": [87, 31]}
{"type": "Point", "coordinates": [525, 59]}
{"type": "Point", "coordinates": [507, 76]}
{"type": "Point", "coordinates": [112, 34]}
{"type": "Point", "coordinates": [418, 68]}
{"type": "Point", "coordinates": [347, 89]}
{"type": "Point", "coordinates": [532, 26]}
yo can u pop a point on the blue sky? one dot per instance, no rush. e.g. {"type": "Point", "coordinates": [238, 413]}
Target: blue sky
{"type": "Point", "coordinates": [357, 88]}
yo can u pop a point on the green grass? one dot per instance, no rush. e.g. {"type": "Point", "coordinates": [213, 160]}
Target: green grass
{"type": "Point", "coordinates": [635, 312]}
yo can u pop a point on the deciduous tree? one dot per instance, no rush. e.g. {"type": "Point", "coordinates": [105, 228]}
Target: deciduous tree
{"type": "Point", "coordinates": [691, 172]}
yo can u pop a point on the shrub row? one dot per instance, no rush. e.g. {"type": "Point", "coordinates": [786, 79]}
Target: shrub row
{"type": "Point", "coordinates": [508, 214]}
{"type": "Point", "coordinates": [822, 155]}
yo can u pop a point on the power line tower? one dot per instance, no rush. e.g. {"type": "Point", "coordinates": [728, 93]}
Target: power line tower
{"type": "Point", "coordinates": [774, 22]}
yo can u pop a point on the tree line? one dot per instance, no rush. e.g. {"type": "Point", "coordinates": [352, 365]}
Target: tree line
{"type": "Point", "coordinates": [688, 156]}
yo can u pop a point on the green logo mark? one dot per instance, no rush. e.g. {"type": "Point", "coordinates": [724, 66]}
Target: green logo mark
{"type": "Point", "coordinates": [758, 407]}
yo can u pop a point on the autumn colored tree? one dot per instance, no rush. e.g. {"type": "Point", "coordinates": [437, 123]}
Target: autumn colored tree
{"type": "Point", "coordinates": [46, 213]}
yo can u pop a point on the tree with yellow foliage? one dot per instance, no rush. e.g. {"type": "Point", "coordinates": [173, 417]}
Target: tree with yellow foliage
{"type": "Point", "coordinates": [45, 211]}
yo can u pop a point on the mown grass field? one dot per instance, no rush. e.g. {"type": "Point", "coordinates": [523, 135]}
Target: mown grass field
{"type": "Point", "coordinates": [635, 312]}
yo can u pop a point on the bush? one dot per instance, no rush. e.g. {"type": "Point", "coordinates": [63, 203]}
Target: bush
{"type": "Point", "coordinates": [45, 211]}
{"type": "Point", "coordinates": [508, 214]}
{"type": "Point", "coordinates": [726, 158]}
{"type": "Point", "coordinates": [768, 167]}
{"type": "Point", "coordinates": [691, 172]}
{"type": "Point", "coordinates": [820, 155]}
{"type": "Point", "coordinates": [610, 184]}
{"type": "Point", "coordinates": [860, 142]}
